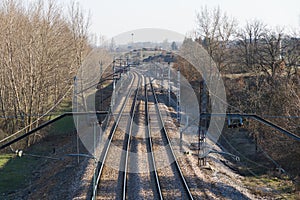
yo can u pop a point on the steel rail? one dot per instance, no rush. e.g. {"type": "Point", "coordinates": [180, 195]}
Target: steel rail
{"type": "Point", "coordinates": [151, 157]}
{"type": "Point", "coordinates": [127, 140]}
{"type": "Point", "coordinates": [164, 131]}
{"type": "Point", "coordinates": [99, 168]}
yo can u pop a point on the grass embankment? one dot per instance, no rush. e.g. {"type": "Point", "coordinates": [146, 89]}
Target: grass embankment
{"type": "Point", "coordinates": [16, 172]}
{"type": "Point", "coordinates": [270, 186]}
{"type": "Point", "coordinates": [260, 175]}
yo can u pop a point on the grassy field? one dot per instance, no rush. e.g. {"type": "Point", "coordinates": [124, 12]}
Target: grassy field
{"type": "Point", "coordinates": [258, 171]}
{"type": "Point", "coordinates": [16, 172]}
{"type": "Point", "coordinates": [64, 125]}
{"type": "Point", "coordinates": [271, 186]}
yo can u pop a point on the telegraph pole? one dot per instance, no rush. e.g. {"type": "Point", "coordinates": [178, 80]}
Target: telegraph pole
{"type": "Point", "coordinates": [114, 85]}
{"type": "Point", "coordinates": [178, 106]}
{"type": "Point", "coordinates": [178, 95]}
{"type": "Point", "coordinates": [76, 110]}
{"type": "Point", "coordinates": [169, 84]}
{"type": "Point", "coordinates": [203, 125]}
{"type": "Point", "coordinates": [162, 79]}
{"type": "Point", "coordinates": [101, 97]}
{"type": "Point", "coordinates": [132, 34]}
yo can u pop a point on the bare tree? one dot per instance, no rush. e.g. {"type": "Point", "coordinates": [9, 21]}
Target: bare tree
{"type": "Point", "coordinates": [249, 38]}
{"type": "Point", "coordinates": [40, 52]}
{"type": "Point", "coordinates": [215, 30]}
{"type": "Point", "coordinates": [269, 54]}
{"type": "Point", "coordinates": [291, 53]}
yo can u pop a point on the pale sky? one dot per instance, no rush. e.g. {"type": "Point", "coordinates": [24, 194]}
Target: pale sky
{"type": "Point", "coordinates": [113, 17]}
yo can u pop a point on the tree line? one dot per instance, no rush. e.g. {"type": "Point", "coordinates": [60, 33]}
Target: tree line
{"type": "Point", "coordinates": [260, 68]}
{"type": "Point", "coordinates": [41, 47]}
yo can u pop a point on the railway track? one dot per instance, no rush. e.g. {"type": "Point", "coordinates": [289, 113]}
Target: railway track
{"type": "Point", "coordinates": [144, 143]}
{"type": "Point", "coordinates": [114, 140]}
{"type": "Point", "coordinates": [126, 145]}
{"type": "Point", "coordinates": [142, 180]}
{"type": "Point", "coordinates": [172, 181]}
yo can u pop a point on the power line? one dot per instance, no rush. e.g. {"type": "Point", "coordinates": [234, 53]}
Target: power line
{"type": "Point", "coordinates": [38, 119]}
{"type": "Point", "coordinates": [48, 123]}
{"type": "Point", "coordinates": [32, 115]}
{"type": "Point", "coordinates": [278, 116]}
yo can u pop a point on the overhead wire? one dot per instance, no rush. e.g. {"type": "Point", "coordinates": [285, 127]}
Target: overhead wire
{"type": "Point", "coordinates": [267, 116]}
{"type": "Point", "coordinates": [257, 164]}
{"type": "Point", "coordinates": [46, 113]}
{"type": "Point", "coordinates": [39, 118]}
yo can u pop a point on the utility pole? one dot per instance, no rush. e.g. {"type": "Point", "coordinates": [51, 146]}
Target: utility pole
{"type": "Point", "coordinates": [155, 77]}
{"type": "Point", "coordinates": [127, 65]}
{"type": "Point", "coordinates": [94, 150]}
{"type": "Point", "coordinates": [114, 85]}
{"type": "Point", "coordinates": [169, 83]}
{"type": "Point", "coordinates": [203, 125]}
{"type": "Point", "coordinates": [178, 95]}
{"type": "Point", "coordinates": [162, 79]}
{"type": "Point", "coordinates": [132, 34]}
{"type": "Point", "coordinates": [101, 95]}
{"type": "Point", "coordinates": [77, 120]}
{"type": "Point", "coordinates": [178, 106]}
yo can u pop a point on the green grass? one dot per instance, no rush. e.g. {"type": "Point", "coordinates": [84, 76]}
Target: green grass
{"type": "Point", "coordinates": [4, 159]}
{"type": "Point", "coordinates": [17, 172]}
{"type": "Point", "coordinates": [279, 188]}
{"type": "Point", "coordinates": [14, 171]}
{"type": "Point", "coordinates": [63, 125]}
{"type": "Point", "coordinates": [65, 106]}
{"type": "Point", "coordinates": [266, 182]}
